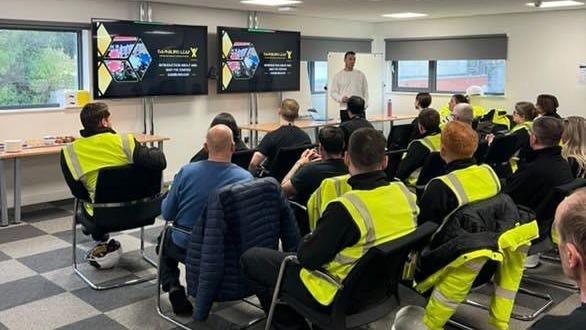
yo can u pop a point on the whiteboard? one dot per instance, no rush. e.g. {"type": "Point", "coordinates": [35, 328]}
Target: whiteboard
{"type": "Point", "coordinates": [372, 65]}
{"type": "Point", "coordinates": [303, 96]}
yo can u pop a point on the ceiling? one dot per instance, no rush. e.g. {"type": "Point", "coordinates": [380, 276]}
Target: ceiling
{"type": "Point", "coordinates": [371, 10]}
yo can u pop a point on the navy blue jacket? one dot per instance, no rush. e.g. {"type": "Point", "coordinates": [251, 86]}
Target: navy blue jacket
{"type": "Point", "coordinates": [238, 216]}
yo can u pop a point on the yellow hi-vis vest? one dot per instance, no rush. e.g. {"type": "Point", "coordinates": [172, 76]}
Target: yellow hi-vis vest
{"type": "Point", "coordinates": [500, 118]}
{"type": "Point", "coordinates": [329, 189]}
{"type": "Point", "coordinates": [382, 215]}
{"type": "Point", "coordinates": [527, 125]}
{"type": "Point", "coordinates": [85, 157]}
{"type": "Point", "coordinates": [471, 184]}
{"type": "Point", "coordinates": [433, 144]}
{"type": "Point", "coordinates": [452, 283]}
{"type": "Point", "coordinates": [478, 111]}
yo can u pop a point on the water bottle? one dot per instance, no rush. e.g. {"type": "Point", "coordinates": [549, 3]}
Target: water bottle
{"type": "Point", "coordinates": [389, 108]}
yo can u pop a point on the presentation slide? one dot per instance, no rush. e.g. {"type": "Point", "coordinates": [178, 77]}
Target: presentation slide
{"type": "Point", "coordinates": [257, 60]}
{"type": "Point", "coordinates": [133, 59]}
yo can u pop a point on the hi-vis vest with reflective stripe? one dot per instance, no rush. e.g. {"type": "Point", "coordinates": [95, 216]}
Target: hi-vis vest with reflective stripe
{"type": "Point", "coordinates": [433, 144]}
{"type": "Point", "coordinates": [329, 189]}
{"type": "Point", "coordinates": [528, 126]}
{"type": "Point", "coordinates": [86, 156]}
{"type": "Point", "coordinates": [381, 215]}
{"type": "Point", "coordinates": [500, 118]}
{"type": "Point", "coordinates": [445, 114]}
{"type": "Point", "coordinates": [471, 184]}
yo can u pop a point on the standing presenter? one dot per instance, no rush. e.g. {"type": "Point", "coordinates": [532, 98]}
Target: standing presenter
{"type": "Point", "coordinates": [347, 83]}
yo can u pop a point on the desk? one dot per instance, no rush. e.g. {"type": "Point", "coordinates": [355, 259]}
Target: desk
{"type": "Point", "coordinates": [315, 124]}
{"type": "Point", "coordinates": [15, 157]}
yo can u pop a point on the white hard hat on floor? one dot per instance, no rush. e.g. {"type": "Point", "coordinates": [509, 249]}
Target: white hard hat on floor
{"type": "Point", "coordinates": [409, 318]}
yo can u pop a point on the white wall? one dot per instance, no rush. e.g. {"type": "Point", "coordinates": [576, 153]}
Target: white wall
{"type": "Point", "coordinates": [545, 50]}
{"type": "Point", "coordinates": [183, 119]}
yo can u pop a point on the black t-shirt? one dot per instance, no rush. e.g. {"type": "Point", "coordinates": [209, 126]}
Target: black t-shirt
{"type": "Point", "coordinates": [284, 136]}
{"type": "Point", "coordinates": [575, 321]}
{"type": "Point", "coordinates": [310, 176]}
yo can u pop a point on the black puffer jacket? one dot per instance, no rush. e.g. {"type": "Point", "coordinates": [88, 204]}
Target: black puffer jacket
{"type": "Point", "coordinates": [473, 227]}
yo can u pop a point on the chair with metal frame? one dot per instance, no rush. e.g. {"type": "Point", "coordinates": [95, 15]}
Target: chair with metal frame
{"type": "Point", "coordinates": [127, 197]}
{"type": "Point", "coordinates": [545, 215]}
{"type": "Point", "coordinates": [169, 226]}
{"type": "Point", "coordinates": [390, 257]}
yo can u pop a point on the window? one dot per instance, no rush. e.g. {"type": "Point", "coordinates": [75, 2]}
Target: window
{"type": "Point", "coordinates": [413, 75]}
{"type": "Point", "coordinates": [37, 64]}
{"type": "Point", "coordinates": [456, 76]}
{"type": "Point", "coordinates": [318, 76]}
{"type": "Point", "coordinates": [452, 76]}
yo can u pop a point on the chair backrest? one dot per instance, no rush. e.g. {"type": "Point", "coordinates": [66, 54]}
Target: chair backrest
{"type": "Point", "coordinates": [242, 158]}
{"type": "Point", "coordinates": [545, 212]}
{"type": "Point", "coordinates": [285, 159]}
{"type": "Point", "coordinates": [502, 148]}
{"type": "Point", "coordinates": [433, 167]}
{"type": "Point", "coordinates": [301, 216]}
{"type": "Point", "coordinates": [136, 196]}
{"type": "Point", "coordinates": [127, 183]}
{"type": "Point", "coordinates": [399, 136]}
{"type": "Point", "coordinates": [383, 262]}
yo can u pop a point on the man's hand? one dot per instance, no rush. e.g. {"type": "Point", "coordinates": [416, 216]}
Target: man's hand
{"type": "Point", "coordinates": [307, 156]}
{"type": "Point", "coordinates": [489, 138]}
{"type": "Point", "coordinates": [345, 99]}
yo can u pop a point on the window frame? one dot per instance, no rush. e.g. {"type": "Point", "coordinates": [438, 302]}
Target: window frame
{"type": "Point", "coordinates": [311, 72]}
{"type": "Point", "coordinates": [432, 83]}
{"type": "Point", "coordinates": [49, 27]}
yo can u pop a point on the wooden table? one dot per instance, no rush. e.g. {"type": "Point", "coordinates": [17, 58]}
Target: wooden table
{"type": "Point", "coordinates": [315, 124]}
{"type": "Point", "coordinates": [15, 157]}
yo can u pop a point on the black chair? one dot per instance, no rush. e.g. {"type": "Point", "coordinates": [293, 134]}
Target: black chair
{"type": "Point", "coordinates": [545, 216]}
{"type": "Point", "coordinates": [499, 154]}
{"type": "Point", "coordinates": [126, 197]}
{"type": "Point", "coordinates": [433, 167]}
{"type": "Point", "coordinates": [242, 158]}
{"type": "Point", "coordinates": [399, 137]}
{"type": "Point", "coordinates": [389, 257]}
{"type": "Point", "coordinates": [284, 161]}
{"type": "Point", "coordinates": [301, 216]}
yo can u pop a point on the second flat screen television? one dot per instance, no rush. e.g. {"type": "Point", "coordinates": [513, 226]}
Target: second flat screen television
{"type": "Point", "coordinates": [257, 60]}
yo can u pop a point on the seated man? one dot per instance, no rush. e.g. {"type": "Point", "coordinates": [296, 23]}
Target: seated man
{"type": "Point", "coordinates": [463, 112]}
{"type": "Point", "coordinates": [570, 224]}
{"type": "Point", "coordinates": [465, 182]}
{"type": "Point", "coordinates": [313, 167]}
{"type": "Point", "coordinates": [288, 135]}
{"type": "Point", "coordinates": [344, 231]}
{"type": "Point", "coordinates": [422, 101]}
{"type": "Point", "coordinates": [357, 116]}
{"type": "Point", "coordinates": [418, 150]}
{"type": "Point", "coordinates": [545, 167]}
{"type": "Point", "coordinates": [186, 200]}
{"type": "Point", "coordinates": [100, 147]}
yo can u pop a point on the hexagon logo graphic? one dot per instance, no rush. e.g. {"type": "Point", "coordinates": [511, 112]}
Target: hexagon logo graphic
{"type": "Point", "coordinates": [240, 60]}
{"type": "Point", "coordinates": [124, 59]}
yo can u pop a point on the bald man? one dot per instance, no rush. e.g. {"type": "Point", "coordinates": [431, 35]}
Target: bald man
{"type": "Point", "coordinates": [186, 200]}
{"type": "Point", "coordinates": [570, 225]}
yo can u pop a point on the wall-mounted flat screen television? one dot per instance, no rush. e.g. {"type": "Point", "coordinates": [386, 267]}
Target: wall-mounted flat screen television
{"type": "Point", "coordinates": [257, 60]}
{"type": "Point", "coordinates": [134, 59]}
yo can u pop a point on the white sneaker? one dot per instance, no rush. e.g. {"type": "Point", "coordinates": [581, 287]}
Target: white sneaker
{"type": "Point", "coordinates": [532, 261]}
{"type": "Point", "coordinates": [409, 318]}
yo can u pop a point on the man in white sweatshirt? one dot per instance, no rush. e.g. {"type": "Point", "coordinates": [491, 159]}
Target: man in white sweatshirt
{"type": "Point", "coordinates": [348, 83]}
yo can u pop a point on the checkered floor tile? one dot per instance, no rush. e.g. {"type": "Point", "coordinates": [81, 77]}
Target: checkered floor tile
{"type": "Point", "coordinates": [38, 289]}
